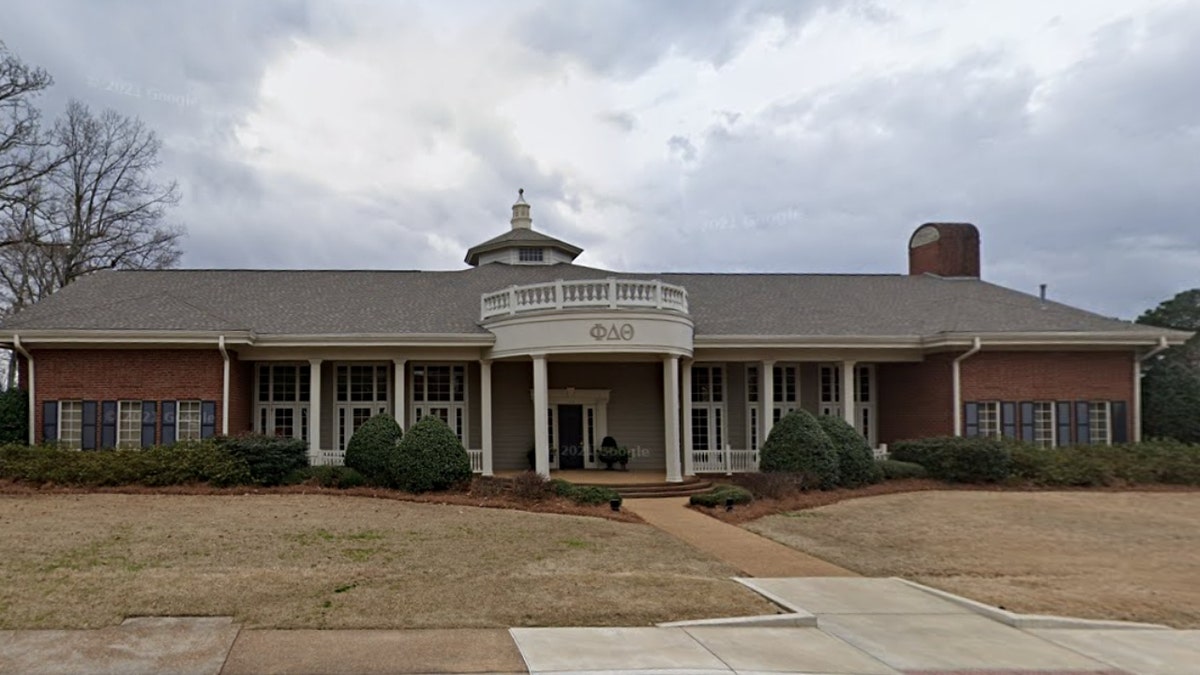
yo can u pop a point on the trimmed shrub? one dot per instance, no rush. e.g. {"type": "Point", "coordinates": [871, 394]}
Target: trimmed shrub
{"type": "Point", "coordinates": [430, 457]}
{"type": "Point", "coordinates": [777, 485]}
{"type": "Point", "coordinates": [958, 460]}
{"type": "Point", "coordinates": [373, 449]}
{"type": "Point", "coordinates": [856, 462]}
{"type": "Point", "coordinates": [184, 463]}
{"type": "Point", "coordinates": [797, 444]}
{"type": "Point", "coordinates": [717, 496]}
{"type": "Point", "coordinates": [339, 477]}
{"type": "Point", "coordinates": [583, 494]}
{"type": "Point", "coordinates": [894, 469]}
{"type": "Point", "coordinates": [14, 416]}
{"type": "Point", "coordinates": [269, 458]}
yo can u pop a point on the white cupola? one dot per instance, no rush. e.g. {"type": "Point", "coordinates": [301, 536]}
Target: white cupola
{"type": "Point", "coordinates": [521, 245]}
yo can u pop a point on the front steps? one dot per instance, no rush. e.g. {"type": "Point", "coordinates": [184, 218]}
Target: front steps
{"type": "Point", "coordinates": [689, 486]}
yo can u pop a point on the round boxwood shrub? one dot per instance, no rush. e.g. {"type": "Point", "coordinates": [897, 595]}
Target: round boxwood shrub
{"type": "Point", "coordinates": [797, 444]}
{"type": "Point", "coordinates": [430, 458]}
{"type": "Point", "coordinates": [856, 462]}
{"type": "Point", "coordinates": [894, 469]}
{"type": "Point", "coordinates": [373, 448]}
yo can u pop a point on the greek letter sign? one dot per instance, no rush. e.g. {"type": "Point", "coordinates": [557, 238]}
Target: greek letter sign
{"type": "Point", "coordinates": [612, 332]}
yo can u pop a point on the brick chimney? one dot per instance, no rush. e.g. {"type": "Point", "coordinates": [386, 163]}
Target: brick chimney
{"type": "Point", "coordinates": [944, 249]}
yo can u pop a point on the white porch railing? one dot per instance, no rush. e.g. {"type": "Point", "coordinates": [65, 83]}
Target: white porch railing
{"type": "Point", "coordinates": [725, 461]}
{"type": "Point", "coordinates": [611, 293]}
{"type": "Point", "coordinates": [331, 458]}
{"type": "Point", "coordinates": [338, 458]}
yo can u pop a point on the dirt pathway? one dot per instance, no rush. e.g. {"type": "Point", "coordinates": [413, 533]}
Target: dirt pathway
{"type": "Point", "coordinates": [754, 555]}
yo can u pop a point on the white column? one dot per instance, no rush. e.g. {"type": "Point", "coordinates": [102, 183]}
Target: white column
{"type": "Point", "coordinates": [541, 425]}
{"type": "Point", "coordinates": [1136, 403]}
{"type": "Point", "coordinates": [848, 393]}
{"type": "Point", "coordinates": [766, 396]}
{"type": "Point", "coordinates": [686, 392]}
{"type": "Point", "coordinates": [401, 394]}
{"type": "Point", "coordinates": [314, 410]}
{"type": "Point", "coordinates": [485, 403]}
{"type": "Point", "coordinates": [671, 418]}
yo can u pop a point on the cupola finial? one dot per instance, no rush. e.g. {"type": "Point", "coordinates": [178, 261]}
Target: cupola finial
{"type": "Point", "coordinates": [520, 213]}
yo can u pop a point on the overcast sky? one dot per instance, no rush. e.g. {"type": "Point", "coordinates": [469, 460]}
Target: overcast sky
{"type": "Point", "coordinates": [663, 135]}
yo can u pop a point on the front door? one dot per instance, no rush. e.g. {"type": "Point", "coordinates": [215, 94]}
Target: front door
{"type": "Point", "coordinates": [570, 437]}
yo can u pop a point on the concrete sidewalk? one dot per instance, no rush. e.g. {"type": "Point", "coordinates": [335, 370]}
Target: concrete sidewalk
{"type": "Point", "coordinates": [751, 553]}
{"type": "Point", "coordinates": [862, 627]}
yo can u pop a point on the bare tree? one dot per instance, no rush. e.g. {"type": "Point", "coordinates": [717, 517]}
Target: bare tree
{"type": "Point", "coordinates": [102, 206]}
{"type": "Point", "coordinates": [24, 157]}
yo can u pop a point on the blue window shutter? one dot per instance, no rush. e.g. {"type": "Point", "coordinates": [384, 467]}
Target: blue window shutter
{"type": "Point", "coordinates": [89, 425]}
{"type": "Point", "coordinates": [971, 419]}
{"type": "Point", "coordinates": [1008, 419]}
{"type": "Point", "coordinates": [149, 423]}
{"type": "Point", "coordinates": [1120, 423]}
{"type": "Point", "coordinates": [1083, 427]}
{"type": "Point", "coordinates": [1027, 421]}
{"type": "Point", "coordinates": [108, 424]}
{"type": "Point", "coordinates": [1062, 418]}
{"type": "Point", "coordinates": [49, 421]}
{"type": "Point", "coordinates": [208, 419]}
{"type": "Point", "coordinates": [168, 422]}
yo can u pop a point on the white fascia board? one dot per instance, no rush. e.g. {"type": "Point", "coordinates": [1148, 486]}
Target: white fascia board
{"type": "Point", "coordinates": [1064, 339]}
{"type": "Point", "coordinates": [206, 338]}
{"type": "Point", "coordinates": [809, 341]}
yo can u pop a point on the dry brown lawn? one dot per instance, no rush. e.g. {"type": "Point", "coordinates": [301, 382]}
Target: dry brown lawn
{"type": "Point", "coordinates": [1110, 555]}
{"type": "Point", "coordinates": [308, 561]}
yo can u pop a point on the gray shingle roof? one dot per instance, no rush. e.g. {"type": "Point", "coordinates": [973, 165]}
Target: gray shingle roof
{"type": "Point", "coordinates": [520, 236]}
{"type": "Point", "coordinates": [270, 302]}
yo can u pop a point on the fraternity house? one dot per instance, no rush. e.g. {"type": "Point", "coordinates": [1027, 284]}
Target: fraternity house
{"type": "Point", "coordinates": [525, 354]}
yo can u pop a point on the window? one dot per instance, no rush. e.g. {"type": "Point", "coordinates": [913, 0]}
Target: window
{"type": "Point", "coordinates": [70, 424]}
{"type": "Point", "coordinates": [1099, 423]}
{"type": "Point", "coordinates": [283, 398]}
{"type": "Point", "coordinates": [1043, 423]}
{"type": "Point", "coordinates": [989, 419]}
{"type": "Point", "coordinates": [441, 390]}
{"type": "Point", "coordinates": [785, 396]}
{"type": "Point", "coordinates": [708, 407]}
{"type": "Point", "coordinates": [530, 254]}
{"type": "Point", "coordinates": [129, 424]}
{"type": "Point", "coordinates": [187, 421]}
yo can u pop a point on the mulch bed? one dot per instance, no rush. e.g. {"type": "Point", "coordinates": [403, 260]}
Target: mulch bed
{"type": "Point", "coordinates": [760, 508]}
{"type": "Point", "coordinates": [550, 504]}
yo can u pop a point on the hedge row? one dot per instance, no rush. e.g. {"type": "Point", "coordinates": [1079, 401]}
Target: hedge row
{"type": "Point", "coordinates": [717, 496]}
{"type": "Point", "coordinates": [990, 460]}
{"type": "Point", "coordinates": [180, 464]}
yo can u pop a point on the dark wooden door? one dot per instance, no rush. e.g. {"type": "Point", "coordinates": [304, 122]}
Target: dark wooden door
{"type": "Point", "coordinates": [570, 437]}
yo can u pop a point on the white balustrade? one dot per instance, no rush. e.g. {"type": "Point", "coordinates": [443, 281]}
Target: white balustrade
{"type": "Point", "coordinates": [725, 461]}
{"type": "Point", "coordinates": [476, 457]}
{"type": "Point", "coordinates": [612, 293]}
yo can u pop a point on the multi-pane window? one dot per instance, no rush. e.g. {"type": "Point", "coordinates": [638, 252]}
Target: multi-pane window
{"type": "Point", "coordinates": [989, 419]}
{"type": "Point", "coordinates": [530, 254]}
{"type": "Point", "coordinates": [708, 407]}
{"type": "Point", "coordinates": [362, 383]}
{"type": "Point", "coordinates": [187, 421]}
{"type": "Point", "coordinates": [129, 424]}
{"type": "Point", "coordinates": [283, 398]}
{"type": "Point", "coordinates": [1099, 423]}
{"type": "Point", "coordinates": [70, 424]}
{"type": "Point", "coordinates": [1043, 423]}
{"type": "Point", "coordinates": [831, 388]}
{"type": "Point", "coordinates": [441, 390]}
{"type": "Point", "coordinates": [785, 397]}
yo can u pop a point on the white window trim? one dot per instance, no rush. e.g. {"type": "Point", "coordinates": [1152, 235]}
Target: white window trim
{"type": "Point", "coordinates": [199, 419]}
{"type": "Point", "coordinates": [299, 407]}
{"type": "Point", "coordinates": [415, 406]}
{"type": "Point", "coordinates": [1107, 406]}
{"type": "Point", "coordinates": [137, 440]}
{"type": "Point", "coordinates": [60, 426]}
{"type": "Point", "coordinates": [1053, 441]}
{"type": "Point", "coordinates": [998, 432]}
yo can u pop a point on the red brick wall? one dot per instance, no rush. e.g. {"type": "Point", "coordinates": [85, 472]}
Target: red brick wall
{"type": "Point", "coordinates": [114, 374]}
{"type": "Point", "coordinates": [241, 396]}
{"type": "Point", "coordinates": [916, 399]}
